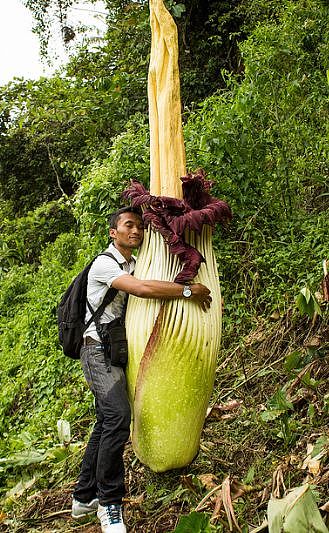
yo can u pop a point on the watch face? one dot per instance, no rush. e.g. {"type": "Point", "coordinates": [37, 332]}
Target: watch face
{"type": "Point", "coordinates": [187, 291]}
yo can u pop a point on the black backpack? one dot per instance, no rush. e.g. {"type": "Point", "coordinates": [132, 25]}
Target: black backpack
{"type": "Point", "coordinates": [72, 310]}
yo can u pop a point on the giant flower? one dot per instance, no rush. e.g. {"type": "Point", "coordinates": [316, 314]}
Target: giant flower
{"type": "Point", "coordinates": [173, 344]}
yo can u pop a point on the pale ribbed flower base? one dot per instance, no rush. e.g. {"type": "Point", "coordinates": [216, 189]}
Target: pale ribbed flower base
{"type": "Point", "coordinates": [173, 347]}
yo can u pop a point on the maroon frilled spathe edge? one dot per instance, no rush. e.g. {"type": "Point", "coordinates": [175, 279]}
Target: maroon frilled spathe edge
{"type": "Point", "coordinates": [170, 216]}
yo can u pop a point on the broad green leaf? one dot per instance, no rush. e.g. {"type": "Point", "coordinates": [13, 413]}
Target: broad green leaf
{"type": "Point", "coordinates": [267, 416]}
{"type": "Point", "coordinates": [305, 307]}
{"type": "Point", "coordinates": [278, 405]}
{"type": "Point", "coordinates": [320, 444]}
{"type": "Point", "coordinates": [279, 402]}
{"type": "Point", "coordinates": [28, 457]}
{"type": "Point", "coordinates": [311, 412]}
{"type": "Point", "coordinates": [194, 523]}
{"type": "Point", "coordinates": [301, 303]}
{"type": "Point", "coordinates": [250, 476]}
{"type": "Point", "coordinates": [317, 308]}
{"type": "Point", "coordinates": [292, 361]}
{"type": "Point", "coordinates": [20, 488]}
{"type": "Point", "coordinates": [178, 10]}
{"type": "Point", "coordinates": [295, 513]}
{"type": "Point", "coordinates": [58, 454]}
{"type": "Point", "coordinates": [306, 293]}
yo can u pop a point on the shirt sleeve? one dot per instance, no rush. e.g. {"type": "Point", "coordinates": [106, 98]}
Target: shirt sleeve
{"type": "Point", "coordinates": [106, 270]}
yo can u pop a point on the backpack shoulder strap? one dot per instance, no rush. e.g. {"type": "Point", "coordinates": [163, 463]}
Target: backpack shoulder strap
{"type": "Point", "coordinates": [108, 294]}
{"type": "Point", "coordinates": [111, 293]}
{"type": "Point", "coordinates": [108, 298]}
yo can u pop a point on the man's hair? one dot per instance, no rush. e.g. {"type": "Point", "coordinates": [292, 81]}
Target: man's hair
{"type": "Point", "coordinates": [113, 219]}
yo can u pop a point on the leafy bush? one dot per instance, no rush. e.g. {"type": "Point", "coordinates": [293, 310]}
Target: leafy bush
{"type": "Point", "coordinates": [100, 191]}
{"type": "Point", "coordinates": [34, 368]}
{"type": "Point", "coordinates": [264, 143]}
{"type": "Point", "coordinates": [14, 285]}
{"type": "Point", "coordinates": [22, 239]}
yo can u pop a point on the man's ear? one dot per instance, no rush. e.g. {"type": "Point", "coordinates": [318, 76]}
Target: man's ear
{"type": "Point", "coordinates": [113, 233]}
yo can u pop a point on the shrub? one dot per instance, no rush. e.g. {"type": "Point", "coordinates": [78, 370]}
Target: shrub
{"type": "Point", "coordinates": [22, 239]}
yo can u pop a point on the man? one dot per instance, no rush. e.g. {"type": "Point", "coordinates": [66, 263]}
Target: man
{"type": "Point", "coordinates": [101, 482]}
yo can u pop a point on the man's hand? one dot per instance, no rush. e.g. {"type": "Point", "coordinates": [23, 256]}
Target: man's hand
{"type": "Point", "coordinates": [201, 294]}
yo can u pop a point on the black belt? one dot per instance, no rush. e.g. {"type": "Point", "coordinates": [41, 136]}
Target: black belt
{"type": "Point", "coordinates": [87, 341]}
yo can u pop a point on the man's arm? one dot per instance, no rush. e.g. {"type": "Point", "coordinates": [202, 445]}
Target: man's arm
{"type": "Point", "coordinates": [165, 290]}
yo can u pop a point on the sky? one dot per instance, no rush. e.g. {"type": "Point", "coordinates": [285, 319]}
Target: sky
{"type": "Point", "coordinates": [19, 47]}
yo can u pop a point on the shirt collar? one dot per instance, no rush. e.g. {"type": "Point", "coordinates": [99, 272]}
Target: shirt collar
{"type": "Point", "coordinates": [112, 249]}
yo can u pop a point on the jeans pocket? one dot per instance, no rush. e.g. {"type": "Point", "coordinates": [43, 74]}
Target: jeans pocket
{"type": "Point", "coordinates": [100, 377]}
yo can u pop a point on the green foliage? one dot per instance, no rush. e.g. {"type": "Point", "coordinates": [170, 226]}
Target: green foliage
{"type": "Point", "coordinates": [22, 239]}
{"type": "Point", "coordinates": [279, 409]}
{"type": "Point", "coordinates": [265, 138]}
{"type": "Point", "coordinates": [44, 14]}
{"type": "Point", "coordinates": [100, 191]}
{"type": "Point", "coordinates": [307, 303]}
{"type": "Point", "coordinates": [54, 128]}
{"type": "Point", "coordinates": [264, 143]}
{"type": "Point", "coordinates": [296, 510]}
{"type": "Point", "coordinates": [209, 33]}
{"type": "Point", "coordinates": [64, 120]}
{"type": "Point", "coordinates": [26, 176]}
{"type": "Point", "coordinates": [14, 286]}
{"type": "Point", "coordinates": [277, 406]}
{"type": "Point", "coordinates": [256, 13]}
{"type": "Point", "coordinates": [34, 369]}
{"type": "Point", "coordinates": [196, 522]}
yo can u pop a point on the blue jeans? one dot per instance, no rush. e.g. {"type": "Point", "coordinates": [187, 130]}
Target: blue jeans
{"type": "Point", "coordinates": [102, 469]}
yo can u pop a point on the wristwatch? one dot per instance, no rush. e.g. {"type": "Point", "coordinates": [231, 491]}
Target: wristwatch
{"type": "Point", "coordinates": [187, 292]}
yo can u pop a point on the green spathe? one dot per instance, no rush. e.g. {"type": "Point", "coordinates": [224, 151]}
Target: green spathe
{"type": "Point", "coordinates": [173, 347]}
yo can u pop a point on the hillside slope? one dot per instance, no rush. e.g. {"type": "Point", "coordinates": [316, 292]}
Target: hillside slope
{"type": "Point", "coordinates": [263, 140]}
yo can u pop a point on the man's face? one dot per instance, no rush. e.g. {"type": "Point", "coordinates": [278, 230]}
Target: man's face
{"type": "Point", "coordinates": [129, 232]}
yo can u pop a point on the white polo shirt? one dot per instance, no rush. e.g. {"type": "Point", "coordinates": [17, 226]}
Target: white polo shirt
{"type": "Point", "coordinates": [102, 273]}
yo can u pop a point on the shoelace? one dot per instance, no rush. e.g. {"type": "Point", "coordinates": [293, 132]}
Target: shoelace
{"type": "Point", "coordinates": [114, 514]}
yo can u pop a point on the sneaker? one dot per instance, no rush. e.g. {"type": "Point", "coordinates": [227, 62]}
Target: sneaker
{"type": "Point", "coordinates": [80, 509]}
{"type": "Point", "coordinates": [111, 518]}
